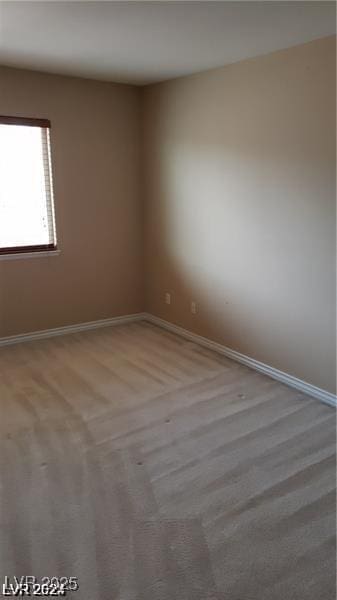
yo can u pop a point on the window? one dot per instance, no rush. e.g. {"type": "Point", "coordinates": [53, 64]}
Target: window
{"type": "Point", "coordinates": [27, 222]}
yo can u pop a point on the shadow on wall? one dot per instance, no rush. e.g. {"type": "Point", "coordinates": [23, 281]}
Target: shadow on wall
{"type": "Point", "coordinates": [248, 236]}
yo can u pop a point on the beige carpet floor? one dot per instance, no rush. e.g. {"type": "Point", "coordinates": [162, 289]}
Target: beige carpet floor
{"type": "Point", "coordinates": [153, 469]}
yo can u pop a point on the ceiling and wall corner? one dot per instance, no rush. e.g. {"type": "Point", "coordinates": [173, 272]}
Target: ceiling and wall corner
{"type": "Point", "coordinates": [146, 42]}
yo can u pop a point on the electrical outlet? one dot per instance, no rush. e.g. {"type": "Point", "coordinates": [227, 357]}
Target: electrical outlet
{"type": "Point", "coordinates": [167, 298]}
{"type": "Point", "coordinates": [193, 307]}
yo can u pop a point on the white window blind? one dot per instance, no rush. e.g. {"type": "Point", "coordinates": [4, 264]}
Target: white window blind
{"type": "Point", "coordinates": [27, 220]}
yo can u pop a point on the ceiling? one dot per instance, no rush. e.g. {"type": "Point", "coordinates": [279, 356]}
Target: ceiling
{"type": "Point", "coordinates": [144, 42]}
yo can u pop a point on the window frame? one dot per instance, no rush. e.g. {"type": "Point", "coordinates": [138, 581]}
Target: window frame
{"type": "Point", "coordinates": [36, 249]}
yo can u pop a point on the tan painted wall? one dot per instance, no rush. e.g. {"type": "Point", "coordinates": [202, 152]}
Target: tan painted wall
{"type": "Point", "coordinates": [95, 152]}
{"type": "Point", "coordinates": [240, 215]}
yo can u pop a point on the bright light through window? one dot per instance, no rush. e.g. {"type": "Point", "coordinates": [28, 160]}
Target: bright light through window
{"type": "Point", "coordinates": [26, 203]}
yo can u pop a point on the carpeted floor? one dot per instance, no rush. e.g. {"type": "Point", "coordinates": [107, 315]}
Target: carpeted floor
{"type": "Point", "coordinates": [153, 469]}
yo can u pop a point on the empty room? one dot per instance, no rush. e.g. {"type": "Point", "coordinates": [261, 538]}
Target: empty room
{"type": "Point", "coordinates": [168, 300]}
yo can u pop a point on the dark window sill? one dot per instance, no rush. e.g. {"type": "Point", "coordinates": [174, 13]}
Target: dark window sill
{"type": "Point", "coordinates": [14, 255]}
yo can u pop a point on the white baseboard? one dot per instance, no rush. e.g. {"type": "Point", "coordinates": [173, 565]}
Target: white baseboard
{"type": "Point", "coordinates": [294, 382]}
{"type": "Point", "coordinates": [48, 333]}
